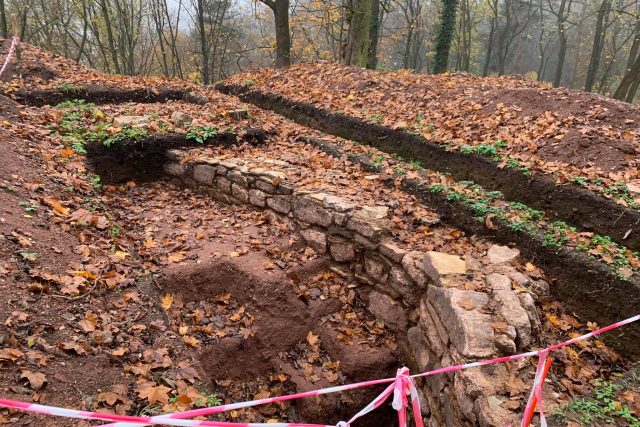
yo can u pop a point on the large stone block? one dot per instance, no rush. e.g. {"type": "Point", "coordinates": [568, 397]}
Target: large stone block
{"type": "Point", "coordinates": [240, 193]}
{"type": "Point", "coordinates": [257, 198]}
{"type": "Point", "coordinates": [468, 329]}
{"type": "Point", "coordinates": [529, 306]}
{"type": "Point", "coordinates": [131, 121]}
{"type": "Point", "coordinates": [175, 155]}
{"type": "Point", "coordinates": [223, 184]}
{"type": "Point", "coordinates": [376, 268]}
{"type": "Point", "coordinates": [502, 255]}
{"type": "Point", "coordinates": [369, 228]}
{"type": "Point", "coordinates": [310, 210]}
{"type": "Point", "coordinates": [443, 268]}
{"type": "Point", "coordinates": [204, 174]}
{"type": "Point", "coordinates": [316, 239]}
{"type": "Point", "coordinates": [265, 186]}
{"type": "Point", "coordinates": [498, 282]}
{"type": "Point", "coordinates": [341, 250]}
{"type": "Point", "coordinates": [238, 177]}
{"type": "Point", "coordinates": [399, 282]}
{"type": "Point", "coordinates": [392, 251]}
{"type": "Point", "coordinates": [512, 312]}
{"type": "Point", "coordinates": [372, 212]}
{"type": "Point", "coordinates": [414, 266]}
{"type": "Point", "coordinates": [433, 329]}
{"type": "Point", "coordinates": [417, 346]}
{"type": "Point", "coordinates": [388, 310]}
{"type": "Point", "coordinates": [181, 119]}
{"type": "Point", "coordinates": [281, 204]}
{"type": "Point", "coordinates": [338, 204]}
{"type": "Point", "coordinates": [174, 168]}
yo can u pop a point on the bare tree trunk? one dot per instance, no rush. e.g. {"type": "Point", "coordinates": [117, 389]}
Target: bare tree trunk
{"type": "Point", "coordinates": [561, 18]}
{"type": "Point", "coordinates": [598, 44]}
{"type": "Point", "coordinates": [280, 10]}
{"type": "Point", "coordinates": [4, 30]}
{"type": "Point", "coordinates": [85, 28]}
{"type": "Point", "coordinates": [628, 81]}
{"type": "Point", "coordinates": [283, 35]}
{"type": "Point", "coordinates": [157, 14]}
{"type": "Point", "coordinates": [493, 5]}
{"type": "Point", "coordinates": [112, 47]}
{"type": "Point", "coordinates": [204, 46]}
{"type": "Point", "coordinates": [357, 49]}
{"type": "Point", "coordinates": [374, 35]}
{"type": "Point", "coordinates": [633, 90]}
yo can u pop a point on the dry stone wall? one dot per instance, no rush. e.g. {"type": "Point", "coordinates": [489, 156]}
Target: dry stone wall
{"type": "Point", "coordinates": [423, 297]}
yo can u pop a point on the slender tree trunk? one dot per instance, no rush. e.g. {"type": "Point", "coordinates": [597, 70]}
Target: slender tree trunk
{"type": "Point", "coordinates": [110, 39]}
{"type": "Point", "coordinates": [85, 27]}
{"type": "Point", "coordinates": [633, 90]}
{"type": "Point", "coordinates": [562, 40]}
{"type": "Point", "coordinates": [407, 48]}
{"type": "Point", "coordinates": [598, 44]}
{"type": "Point", "coordinates": [628, 81]}
{"type": "Point", "coordinates": [487, 57]}
{"type": "Point", "coordinates": [445, 35]}
{"type": "Point", "coordinates": [4, 29]}
{"type": "Point", "coordinates": [204, 46]}
{"type": "Point", "coordinates": [374, 35]}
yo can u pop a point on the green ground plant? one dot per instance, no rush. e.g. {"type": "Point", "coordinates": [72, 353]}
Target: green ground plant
{"type": "Point", "coordinates": [201, 133]}
{"type": "Point", "coordinates": [69, 87]}
{"type": "Point", "coordinates": [602, 407]}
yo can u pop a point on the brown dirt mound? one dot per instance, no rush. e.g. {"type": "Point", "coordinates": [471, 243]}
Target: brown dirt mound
{"type": "Point", "coordinates": [461, 110]}
{"type": "Point", "coordinates": [281, 320]}
{"type": "Point", "coordinates": [588, 150]}
{"type": "Point", "coordinates": [566, 102]}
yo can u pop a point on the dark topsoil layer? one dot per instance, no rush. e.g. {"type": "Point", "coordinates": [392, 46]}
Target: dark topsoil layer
{"type": "Point", "coordinates": [571, 203]}
{"type": "Point", "coordinates": [103, 95]}
{"type": "Point", "coordinates": [143, 160]}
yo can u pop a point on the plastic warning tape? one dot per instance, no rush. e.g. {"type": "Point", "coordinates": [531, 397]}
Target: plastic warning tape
{"type": "Point", "coordinates": [400, 386]}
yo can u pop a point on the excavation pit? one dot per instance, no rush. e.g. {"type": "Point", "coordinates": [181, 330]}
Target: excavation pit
{"type": "Point", "coordinates": [443, 309]}
{"type": "Point", "coordinates": [276, 332]}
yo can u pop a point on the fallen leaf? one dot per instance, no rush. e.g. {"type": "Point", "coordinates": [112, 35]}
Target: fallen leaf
{"type": "Point", "coordinates": [157, 394]}
{"type": "Point", "coordinates": [36, 379]}
{"type": "Point", "coordinates": [57, 206]}
{"type": "Point", "coordinates": [167, 301]}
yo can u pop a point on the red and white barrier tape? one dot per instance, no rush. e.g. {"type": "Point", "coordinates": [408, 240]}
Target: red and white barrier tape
{"type": "Point", "coordinates": [14, 43]}
{"type": "Point", "coordinates": [402, 385]}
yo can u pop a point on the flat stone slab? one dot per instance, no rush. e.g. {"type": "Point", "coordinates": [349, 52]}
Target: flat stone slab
{"type": "Point", "coordinates": [502, 255]}
{"type": "Point", "coordinates": [439, 266]}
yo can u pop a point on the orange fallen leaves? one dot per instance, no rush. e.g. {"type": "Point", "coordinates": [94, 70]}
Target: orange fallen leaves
{"type": "Point", "coordinates": [57, 206]}
{"type": "Point", "coordinates": [154, 394]}
{"type": "Point", "coordinates": [36, 380]}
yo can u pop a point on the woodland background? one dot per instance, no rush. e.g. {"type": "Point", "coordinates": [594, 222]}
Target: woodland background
{"type": "Point", "coordinates": [593, 45]}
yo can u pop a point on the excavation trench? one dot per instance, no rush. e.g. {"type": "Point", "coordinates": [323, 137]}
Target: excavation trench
{"type": "Point", "coordinates": [281, 319]}
{"type": "Point", "coordinates": [589, 287]}
{"type": "Point", "coordinates": [433, 325]}
{"type": "Point", "coordinates": [103, 95]}
{"type": "Point", "coordinates": [569, 202]}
